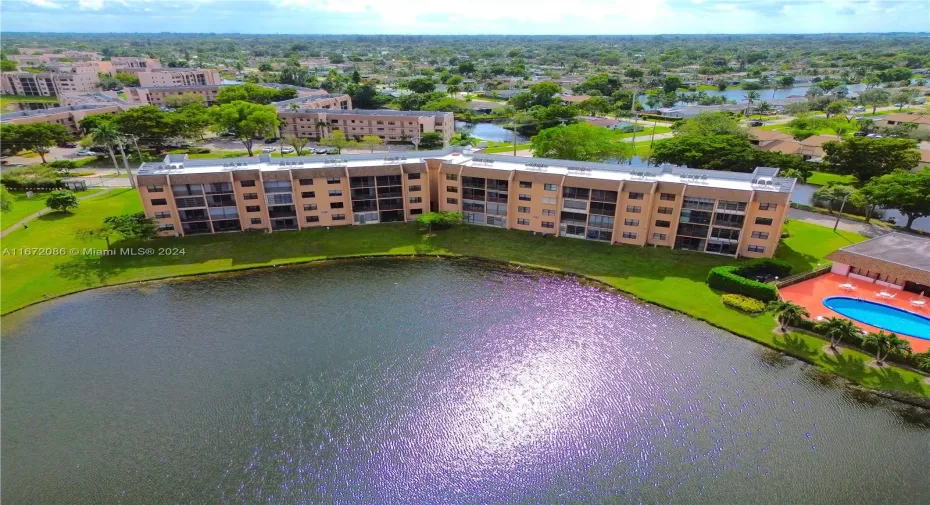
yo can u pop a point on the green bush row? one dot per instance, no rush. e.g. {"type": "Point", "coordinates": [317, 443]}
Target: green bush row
{"type": "Point", "coordinates": [743, 303]}
{"type": "Point", "coordinates": [736, 278]}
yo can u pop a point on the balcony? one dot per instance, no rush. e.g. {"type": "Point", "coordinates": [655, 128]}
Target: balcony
{"type": "Point", "coordinates": [737, 208]}
{"type": "Point", "coordinates": [184, 203]}
{"type": "Point", "coordinates": [728, 220]}
{"type": "Point", "coordinates": [275, 214]}
{"type": "Point", "coordinates": [575, 205]}
{"type": "Point", "coordinates": [391, 194]}
{"type": "Point", "coordinates": [391, 206]}
{"type": "Point", "coordinates": [692, 230]}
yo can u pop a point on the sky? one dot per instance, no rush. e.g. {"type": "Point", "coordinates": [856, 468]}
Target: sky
{"type": "Point", "coordinates": [523, 17]}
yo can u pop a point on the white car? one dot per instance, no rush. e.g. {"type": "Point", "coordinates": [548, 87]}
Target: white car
{"type": "Point", "coordinates": [287, 150]}
{"type": "Point", "coordinates": [859, 109]}
{"type": "Point", "coordinates": [86, 153]}
{"type": "Point", "coordinates": [268, 149]}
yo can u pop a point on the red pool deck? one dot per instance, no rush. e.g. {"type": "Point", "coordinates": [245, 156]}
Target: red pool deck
{"type": "Point", "coordinates": [811, 293]}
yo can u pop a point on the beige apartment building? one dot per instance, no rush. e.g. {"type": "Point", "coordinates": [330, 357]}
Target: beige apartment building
{"type": "Point", "coordinates": [729, 213]}
{"type": "Point", "coordinates": [178, 77]}
{"type": "Point", "coordinates": [134, 64]}
{"type": "Point", "coordinates": [68, 116]}
{"type": "Point", "coordinates": [156, 95]}
{"type": "Point", "coordinates": [49, 83]}
{"type": "Point", "coordinates": [390, 125]}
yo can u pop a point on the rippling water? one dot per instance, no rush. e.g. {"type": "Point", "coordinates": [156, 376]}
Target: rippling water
{"type": "Point", "coordinates": [384, 382]}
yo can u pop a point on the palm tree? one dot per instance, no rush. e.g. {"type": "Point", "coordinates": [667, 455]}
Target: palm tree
{"type": "Point", "coordinates": [750, 97]}
{"type": "Point", "coordinates": [764, 108]}
{"type": "Point", "coordinates": [838, 329]}
{"type": "Point", "coordinates": [889, 343]}
{"type": "Point", "coordinates": [320, 126]}
{"type": "Point", "coordinates": [923, 361]}
{"type": "Point", "coordinates": [106, 135]}
{"type": "Point", "coordinates": [898, 346]}
{"type": "Point", "coordinates": [787, 313]}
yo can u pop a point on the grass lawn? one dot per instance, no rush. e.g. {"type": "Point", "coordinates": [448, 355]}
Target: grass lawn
{"type": "Point", "coordinates": [648, 131]}
{"type": "Point", "coordinates": [824, 178]}
{"type": "Point", "coordinates": [23, 206]}
{"type": "Point", "coordinates": [674, 279]}
{"type": "Point", "coordinates": [506, 148]}
{"type": "Point", "coordinates": [7, 102]}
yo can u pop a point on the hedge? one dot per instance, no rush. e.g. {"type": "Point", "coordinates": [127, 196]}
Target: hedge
{"type": "Point", "coordinates": [743, 303]}
{"type": "Point", "coordinates": [736, 278]}
{"type": "Point", "coordinates": [660, 117]}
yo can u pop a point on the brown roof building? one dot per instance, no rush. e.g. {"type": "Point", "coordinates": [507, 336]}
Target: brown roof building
{"type": "Point", "coordinates": [921, 120]}
{"type": "Point", "coordinates": [894, 259]}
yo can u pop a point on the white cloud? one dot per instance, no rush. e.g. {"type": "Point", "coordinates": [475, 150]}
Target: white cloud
{"type": "Point", "coordinates": [93, 5]}
{"type": "Point", "coordinates": [48, 4]}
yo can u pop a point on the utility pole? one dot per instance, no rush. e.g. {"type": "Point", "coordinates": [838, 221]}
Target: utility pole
{"type": "Point", "coordinates": [837, 223]}
{"type": "Point", "coordinates": [132, 182]}
{"type": "Point", "coordinates": [633, 111]}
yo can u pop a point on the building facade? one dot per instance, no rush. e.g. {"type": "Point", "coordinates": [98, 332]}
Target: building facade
{"type": "Point", "coordinates": [68, 116]}
{"type": "Point", "coordinates": [390, 125]}
{"type": "Point", "coordinates": [49, 83]}
{"type": "Point", "coordinates": [134, 64]}
{"type": "Point", "coordinates": [735, 214]}
{"type": "Point", "coordinates": [157, 95]}
{"type": "Point", "coordinates": [179, 77]}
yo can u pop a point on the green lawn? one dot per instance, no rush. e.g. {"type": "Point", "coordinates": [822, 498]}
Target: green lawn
{"type": "Point", "coordinates": [23, 206]}
{"type": "Point", "coordinates": [505, 148]}
{"type": "Point", "coordinates": [7, 101]}
{"type": "Point", "coordinates": [824, 178]}
{"type": "Point", "coordinates": [646, 133]}
{"type": "Point", "coordinates": [674, 279]}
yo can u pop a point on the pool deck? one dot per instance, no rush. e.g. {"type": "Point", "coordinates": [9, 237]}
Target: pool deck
{"type": "Point", "coordinates": [811, 293]}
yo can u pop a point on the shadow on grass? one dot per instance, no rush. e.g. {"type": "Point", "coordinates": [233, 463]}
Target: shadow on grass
{"type": "Point", "coordinates": [55, 215]}
{"type": "Point", "coordinates": [799, 261]}
{"type": "Point", "coordinates": [795, 345]}
{"type": "Point", "coordinates": [887, 377]}
{"type": "Point", "coordinates": [89, 271]}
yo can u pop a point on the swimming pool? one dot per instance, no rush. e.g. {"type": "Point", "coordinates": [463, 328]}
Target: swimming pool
{"type": "Point", "coordinates": [881, 316]}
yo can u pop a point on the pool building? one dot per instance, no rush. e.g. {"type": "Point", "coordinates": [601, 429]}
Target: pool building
{"type": "Point", "coordinates": [730, 213]}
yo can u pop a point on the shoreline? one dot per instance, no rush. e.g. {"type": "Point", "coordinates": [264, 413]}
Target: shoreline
{"type": "Point", "coordinates": [909, 399]}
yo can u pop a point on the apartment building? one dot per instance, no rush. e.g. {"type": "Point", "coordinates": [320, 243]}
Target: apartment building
{"type": "Point", "coordinates": [156, 95]}
{"type": "Point", "coordinates": [334, 101]}
{"type": "Point", "coordinates": [390, 125]}
{"type": "Point", "coordinates": [48, 83]}
{"type": "Point", "coordinates": [69, 116]}
{"type": "Point", "coordinates": [30, 58]}
{"type": "Point", "coordinates": [178, 77]}
{"type": "Point", "coordinates": [134, 64]}
{"type": "Point", "coordinates": [729, 213]}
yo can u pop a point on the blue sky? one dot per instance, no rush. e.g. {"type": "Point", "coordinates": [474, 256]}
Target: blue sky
{"type": "Point", "coordinates": [473, 17]}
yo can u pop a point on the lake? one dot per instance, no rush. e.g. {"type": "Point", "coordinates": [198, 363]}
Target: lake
{"type": "Point", "coordinates": [425, 381]}
{"type": "Point", "coordinates": [489, 131]}
{"type": "Point", "coordinates": [737, 95]}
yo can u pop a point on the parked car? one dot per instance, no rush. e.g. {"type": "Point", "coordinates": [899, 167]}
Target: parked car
{"type": "Point", "coordinates": [268, 149]}
{"type": "Point", "coordinates": [86, 153]}
{"type": "Point", "coordinates": [859, 134]}
{"type": "Point", "coordinates": [756, 123]}
{"type": "Point", "coordinates": [272, 140]}
{"type": "Point", "coordinates": [859, 109]}
{"type": "Point", "coordinates": [287, 149]}
{"type": "Point", "coordinates": [874, 136]}
{"type": "Point", "coordinates": [67, 144]}
{"type": "Point", "coordinates": [898, 105]}
{"type": "Point", "coordinates": [325, 150]}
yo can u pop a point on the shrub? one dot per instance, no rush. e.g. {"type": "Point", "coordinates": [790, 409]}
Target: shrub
{"type": "Point", "coordinates": [440, 220]}
{"type": "Point", "coordinates": [743, 303]}
{"type": "Point", "coordinates": [735, 278]}
{"type": "Point", "coordinates": [61, 200]}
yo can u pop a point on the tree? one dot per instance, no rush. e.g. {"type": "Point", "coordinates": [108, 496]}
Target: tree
{"type": "Point", "coordinates": [923, 361]}
{"type": "Point", "coordinates": [245, 120]}
{"type": "Point", "coordinates": [721, 84]}
{"type": "Point", "coordinates": [447, 104]}
{"type": "Point", "coordinates": [61, 200]}
{"type": "Point", "coordinates": [711, 152]}
{"type": "Point", "coordinates": [191, 121]}
{"type": "Point", "coordinates": [364, 96]}
{"type": "Point", "coordinates": [833, 194]}
{"type": "Point", "coordinates": [6, 199]}
{"type": "Point", "coordinates": [7, 65]}
{"type": "Point", "coordinates": [838, 107]}
{"type": "Point", "coordinates": [135, 226]}
{"type": "Point", "coordinates": [254, 93]}
{"type": "Point", "coordinates": [40, 137]}
{"type": "Point", "coordinates": [908, 192]}
{"type": "Point", "coordinates": [671, 84]}
{"type": "Point", "coordinates": [595, 105]}
{"type": "Point", "coordinates": [297, 142]}
{"type": "Point", "coordinates": [886, 344]}
{"type": "Point", "coordinates": [265, 67]}
{"type": "Point", "coordinates": [106, 135]}
{"type": "Point", "coordinates": [710, 123]}
{"type": "Point", "coordinates": [430, 140]}
{"type": "Point", "coordinates": [371, 142]}
{"type": "Point", "coordinates": [127, 79]}
{"type": "Point", "coordinates": [421, 85]}
{"type": "Point", "coordinates": [183, 100]}
{"type": "Point", "coordinates": [750, 97]}
{"type": "Point", "coordinates": [149, 124]}
{"type": "Point", "coordinates": [837, 329]}
{"type": "Point", "coordinates": [787, 313]}
{"type": "Point", "coordinates": [582, 142]}
{"type": "Point", "coordinates": [336, 139]}
{"type": "Point", "coordinates": [874, 98]}
{"type": "Point", "coordinates": [63, 167]}
{"type": "Point", "coordinates": [439, 220]}
{"type": "Point", "coordinates": [538, 94]}
{"type": "Point", "coordinates": [868, 157]}
{"type": "Point", "coordinates": [904, 97]}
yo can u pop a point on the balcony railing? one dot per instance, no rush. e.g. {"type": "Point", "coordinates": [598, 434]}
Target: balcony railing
{"type": "Point", "coordinates": [390, 194]}
{"type": "Point", "coordinates": [282, 213]}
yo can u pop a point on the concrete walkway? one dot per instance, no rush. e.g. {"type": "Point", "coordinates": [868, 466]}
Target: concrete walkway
{"type": "Point", "coordinates": [869, 230]}
{"type": "Point", "coordinates": [19, 224]}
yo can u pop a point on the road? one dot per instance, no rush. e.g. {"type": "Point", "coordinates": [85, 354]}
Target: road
{"type": "Point", "coordinates": [869, 230]}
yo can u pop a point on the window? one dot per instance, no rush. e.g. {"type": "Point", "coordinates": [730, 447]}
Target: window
{"type": "Point", "coordinates": [155, 189]}
{"type": "Point", "coordinates": [523, 210]}
{"type": "Point", "coordinates": [629, 235]}
{"type": "Point", "coordinates": [668, 197]}
{"type": "Point", "coordinates": [252, 208]}
{"type": "Point", "coordinates": [416, 199]}
{"type": "Point", "coordinates": [313, 219]}
{"type": "Point", "coordinates": [636, 196]}
{"type": "Point", "coordinates": [548, 224]}
{"type": "Point", "coordinates": [452, 201]}
{"type": "Point", "coordinates": [308, 194]}
{"type": "Point", "coordinates": [526, 184]}
{"type": "Point", "coordinates": [452, 189]}
{"type": "Point", "coordinates": [162, 215]}
{"type": "Point", "coordinates": [525, 198]}
{"type": "Point", "coordinates": [247, 184]}
{"type": "Point", "coordinates": [631, 222]}
{"type": "Point", "coordinates": [306, 182]}
{"type": "Point", "coordinates": [452, 177]}
{"type": "Point", "coordinates": [548, 200]}
{"type": "Point", "coordinates": [339, 217]}
{"type": "Point", "coordinates": [335, 192]}
{"type": "Point", "coordinates": [756, 249]}
{"type": "Point", "coordinates": [413, 177]}
{"type": "Point", "coordinates": [250, 196]}
{"type": "Point", "coordinates": [256, 220]}
{"type": "Point", "coordinates": [309, 206]}
{"type": "Point", "coordinates": [663, 224]}
{"type": "Point", "coordinates": [659, 237]}
{"type": "Point", "coordinates": [336, 205]}
{"type": "Point", "coordinates": [165, 227]}
{"type": "Point", "coordinates": [548, 212]}
{"type": "Point", "coordinates": [764, 221]}
{"type": "Point", "coordinates": [524, 222]}
{"type": "Point", "coordinates": [414, 212]}
{"type": "Point", "coordinates": [550, 187]}
{"type": "Point", "coordinates": [767, 206]}
{"type": "Point", "coordinates": [333, 180]}
{"type": "Point", "coordinates": [665, 210]}
{"type": "Point", "coordinates": [760, 234]}
{"type": "Point", "coordinates": [159, 201]}
{"type": "Point", "coordinates": [414, 188]}
{"type": "Point", "coordinates": [634, 209]}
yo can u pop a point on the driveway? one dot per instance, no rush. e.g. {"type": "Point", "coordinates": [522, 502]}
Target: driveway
{"type": "Point", "coordinates": [869, 230]}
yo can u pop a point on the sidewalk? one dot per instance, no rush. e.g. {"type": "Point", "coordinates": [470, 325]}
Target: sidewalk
{"type": "Point", "coordinates": [19, 224]}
